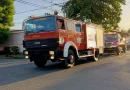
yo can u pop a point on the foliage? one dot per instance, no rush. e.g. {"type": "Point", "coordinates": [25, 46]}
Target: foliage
{"type": "Point", "coordinates": [4, 35]}
{"type": "Point", "coordinates": [123, 31]}
{"type": "Point", "coordinates": [15, 50]}
{"type": "Point", "coordinates": [7, 50]}
{"type": "Point", "coordinates": [11, 50]}
{"type": "Point", "coordinates": [129, 30]}
{"type": "Point", "coordinates": [6, 13]}
{"type": "Point", "coordinates": [105, 12]}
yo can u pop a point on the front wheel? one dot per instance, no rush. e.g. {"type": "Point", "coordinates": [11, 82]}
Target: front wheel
{"type": "Point", "coordinates": [118, 51]}
{"type": "Point", "coordinates": [124, 49]}
{"type": "Point", "coordinates": [40, 62]}
{"type": "Point", "coordinates": [70, 60]}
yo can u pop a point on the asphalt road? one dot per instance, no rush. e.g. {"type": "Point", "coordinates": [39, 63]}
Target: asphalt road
{"type": "Point", "coordinates": [111, 72]}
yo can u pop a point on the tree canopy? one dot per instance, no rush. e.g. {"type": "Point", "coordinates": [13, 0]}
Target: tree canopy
{"type": "Point", "coordinates": [6, 13]}
{"type": "Point", "coordinates": [6, 19]}
{"type": "Point", "coordinates": [4, 35]}
{"type": "Point", "coordinates": [105, 12]}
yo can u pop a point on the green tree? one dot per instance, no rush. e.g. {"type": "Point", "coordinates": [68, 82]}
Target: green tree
{"type": "Point", "coordinates": [6, 19]}
{"type": "Point", "coordinates": [105, 12]}
{"type": "Point", "coordinates": [4, 35]}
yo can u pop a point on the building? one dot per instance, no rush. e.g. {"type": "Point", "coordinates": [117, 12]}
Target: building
{"type": "Point", "coordinates": [16, 39]}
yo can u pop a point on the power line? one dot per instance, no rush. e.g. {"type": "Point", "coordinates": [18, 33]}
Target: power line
{"type": "Point", "coordinates": [34, 9]}
{"type": "Point", "coordinates": [38, 8]}
{"type": "Point", "coordinates": [27, 16]}
{"type": "Point", "coordinates": [28, 3]}
{"type": "Point", "coordinates": [46, 1]}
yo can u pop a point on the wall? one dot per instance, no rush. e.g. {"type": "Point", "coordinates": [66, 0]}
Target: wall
{"type": "Point", "coordinates": [16, 39]}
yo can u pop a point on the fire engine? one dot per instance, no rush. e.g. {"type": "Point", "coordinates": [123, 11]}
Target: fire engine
{"type": "Point", "coordinates": [56, 38]}
{"type": "Point", "coordinates": [115, 42]}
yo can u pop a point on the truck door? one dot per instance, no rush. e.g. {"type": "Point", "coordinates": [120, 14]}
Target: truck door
{"type": "Point", "coordinates": [79, 37]}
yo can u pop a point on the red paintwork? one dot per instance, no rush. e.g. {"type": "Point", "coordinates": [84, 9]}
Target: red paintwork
{"type": "Point", "coordinates": [115, 42]}
{"type": "Point", "coordinates": [41, 35]}
{"type": "Point", "coordinates": [68, 35]}
{"type": "Point", "coordinates": [72, 35]}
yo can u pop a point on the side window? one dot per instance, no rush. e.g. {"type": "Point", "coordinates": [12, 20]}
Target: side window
{"type": "Point", "coordinates": [60, 24]}
{"type": "Point", "coordinates": [78, 27]}
{"type": "Point", "coordinates": [70, 25]}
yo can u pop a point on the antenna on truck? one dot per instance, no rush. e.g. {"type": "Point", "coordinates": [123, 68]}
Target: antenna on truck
{"type": "Point", "coordinates": [55, 12]}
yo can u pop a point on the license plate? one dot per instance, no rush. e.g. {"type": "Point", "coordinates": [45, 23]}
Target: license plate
{"type": "Point", "coordinates": [36, 42]}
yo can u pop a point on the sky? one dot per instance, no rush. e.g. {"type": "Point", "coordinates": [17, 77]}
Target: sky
{"type": "Point", "coordinates": [125, 17]}
{"type": "Point", "coordinates": [23, 10]}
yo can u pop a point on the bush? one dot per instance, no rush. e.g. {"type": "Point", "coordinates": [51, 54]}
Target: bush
{"type": "Point", "coordinates": [11, 50]}
{"type": "Point", "coordinates": [15, 50]}
{"type": "Point", "coordinates": [7, 50]}
{"type": "Point", "coordinates": [2, 53]}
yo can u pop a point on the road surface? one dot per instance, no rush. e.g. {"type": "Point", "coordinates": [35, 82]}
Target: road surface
{"type": "Point", "coordinates": [111, 72]}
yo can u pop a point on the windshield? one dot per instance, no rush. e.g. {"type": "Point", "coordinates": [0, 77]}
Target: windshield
{"type": "Point", "coordinates": [111, 37]}
{"type": "Point", "coordinates": [40, 25]}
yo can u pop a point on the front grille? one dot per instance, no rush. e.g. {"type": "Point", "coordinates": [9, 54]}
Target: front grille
{"type": "Point", "coordinates": [41, 43]}
{"type": "Point", "coordinates": [108, 44]}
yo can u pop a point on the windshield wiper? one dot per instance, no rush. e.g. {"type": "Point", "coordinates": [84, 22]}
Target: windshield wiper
{"type": "Point", "coordinates": [44, 30]}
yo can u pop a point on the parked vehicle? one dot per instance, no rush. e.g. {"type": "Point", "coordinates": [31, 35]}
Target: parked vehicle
{"type": "Point", "coordinates": [115, 42]}
{"type": "Point", "coordinates": [128, 45]}
{"type": "Point", "coordinates": [57, 38]}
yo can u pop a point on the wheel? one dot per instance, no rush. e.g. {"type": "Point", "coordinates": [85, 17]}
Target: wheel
{"type": "Point", "coordinates": [95, 57]}
{"type": "Point", "coordinates": [70, 60]}
{"type": "Point", "coordinates": [40, 62]}
{"type": "Point", "coordinates": [118, 51]}
{"type": "Point", "coordinates": [124, 49]}
{"type": "Point", "coordinates": [127, 48]}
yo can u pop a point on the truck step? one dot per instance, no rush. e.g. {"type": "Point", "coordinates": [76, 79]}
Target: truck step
{"type": "Point", "coordinates": [85, 56]}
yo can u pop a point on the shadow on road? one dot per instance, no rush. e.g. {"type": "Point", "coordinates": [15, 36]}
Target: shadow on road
{"type": "Point", "coordinates": [16, 73]}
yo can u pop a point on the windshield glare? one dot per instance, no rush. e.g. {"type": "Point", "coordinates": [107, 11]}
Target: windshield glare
{"type": "Point", "coordinates": [40, 25]}
{"type": "Point", "coordinates": [111, 37]}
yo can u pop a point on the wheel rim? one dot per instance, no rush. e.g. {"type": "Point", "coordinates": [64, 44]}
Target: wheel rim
{"type": "Point", "coordinates": [71, 59]}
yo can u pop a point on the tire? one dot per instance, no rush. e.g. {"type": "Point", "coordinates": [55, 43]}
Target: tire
{"type": "Point", "coordinates": [124, 49]}
{"type": "Point", "coordinates": [70, 60]}
{"type": "Point", "coordinates": [127, 48]}
{"type": "Point", "coordinates": [118, 51]}
{"type": "Point", "coordinates": [40, 62]}
{"type": "Point", "coordinates": [94, 58]}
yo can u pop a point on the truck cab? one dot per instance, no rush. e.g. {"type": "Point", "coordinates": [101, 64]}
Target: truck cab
{"type": "Point", "coordinates": [114, 43]}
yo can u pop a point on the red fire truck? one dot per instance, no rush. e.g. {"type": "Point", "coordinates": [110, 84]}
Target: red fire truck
{"type": "Point", "coordinates": [115, 42]}
{"type": "Point", "coordinates": [56, 38]}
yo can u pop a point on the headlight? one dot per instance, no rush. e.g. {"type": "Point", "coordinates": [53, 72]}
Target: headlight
{"type": "Point", "coordinates": [26, 52]}
{"type": "Point", "coordinates": [51, 52]}
{"type": "Point", "coordinates": [61, 40]}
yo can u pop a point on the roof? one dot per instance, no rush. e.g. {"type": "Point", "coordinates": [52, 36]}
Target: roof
{"type": "Point", "coordinates": [16, 31]}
